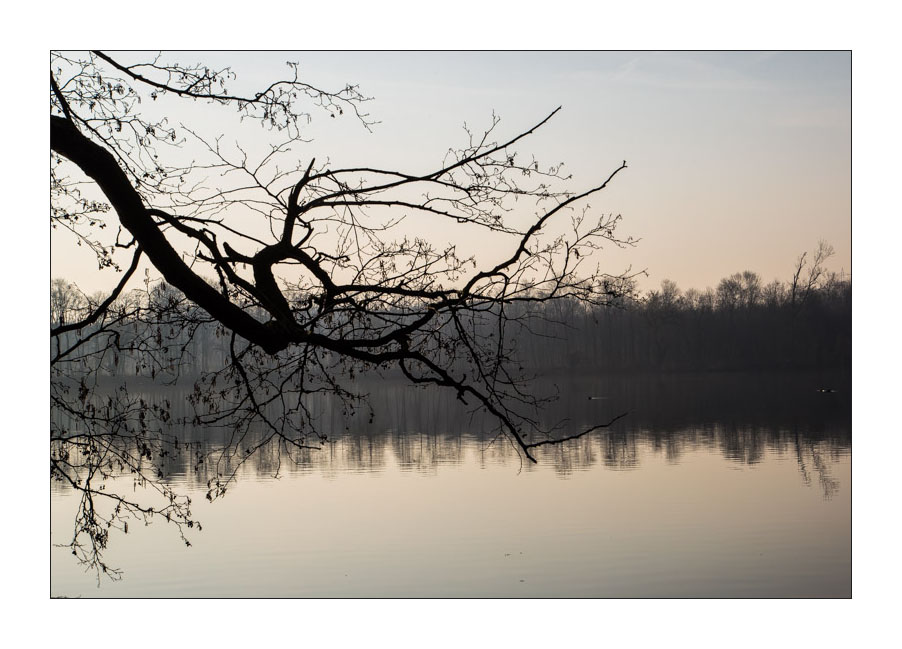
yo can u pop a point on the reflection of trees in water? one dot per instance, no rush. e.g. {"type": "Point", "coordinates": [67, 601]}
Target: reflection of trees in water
{"type": "Point", "coordinates": [819, 457]}
{"type": "Point", "coordinates": [614, 450]}
{"type": "Point", "coordinates": [424, 453]}
{"type": "Point", "coordinates": [743, 418]}
{"type": "Point", "coordinates": [744, 444]}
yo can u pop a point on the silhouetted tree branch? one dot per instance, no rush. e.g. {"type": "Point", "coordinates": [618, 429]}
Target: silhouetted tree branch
{"type": "Point", "coordinates": [319, 272]}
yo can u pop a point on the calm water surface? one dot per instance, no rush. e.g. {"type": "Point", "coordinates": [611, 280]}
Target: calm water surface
{"type": "Point", "coordinates": [714, 486]}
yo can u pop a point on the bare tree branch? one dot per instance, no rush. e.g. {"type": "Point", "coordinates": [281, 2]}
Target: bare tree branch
{"type": "Point", "coordinates": [319, 274]}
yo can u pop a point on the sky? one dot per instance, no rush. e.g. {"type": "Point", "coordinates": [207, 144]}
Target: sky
{"type": "Point", "coordinates": [736, 160]}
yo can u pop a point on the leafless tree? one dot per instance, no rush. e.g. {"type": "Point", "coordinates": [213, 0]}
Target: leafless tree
{"type": "Point", "coordinates": [318, 272]}
{"type": "Point", "coordinates": [804, 283]}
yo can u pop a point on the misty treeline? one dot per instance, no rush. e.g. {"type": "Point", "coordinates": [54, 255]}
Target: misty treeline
{"type": "Point", "coordinates": [744, 323]}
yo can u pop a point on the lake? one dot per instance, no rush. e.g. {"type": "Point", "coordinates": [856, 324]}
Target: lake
{"type": "Point", "coordinates": [714, 485]}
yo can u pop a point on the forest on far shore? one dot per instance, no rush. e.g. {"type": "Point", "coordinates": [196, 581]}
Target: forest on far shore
{"type": "Point", "coordinates": [804, 323]}
{"type": "Point", "coordinates": [741, 325]}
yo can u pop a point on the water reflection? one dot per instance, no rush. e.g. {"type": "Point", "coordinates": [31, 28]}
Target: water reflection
{"type": "Point", "coordinates": [715, 486]}
{"type": "Point", "coordinates": [740, 417]}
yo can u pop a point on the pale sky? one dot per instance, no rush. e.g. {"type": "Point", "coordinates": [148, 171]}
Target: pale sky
{"type": "Point", "coordinates": [737, 160]}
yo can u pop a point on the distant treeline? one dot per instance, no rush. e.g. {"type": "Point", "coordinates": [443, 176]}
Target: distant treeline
{"type": "Point", "coordinates": [741, 325]}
